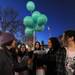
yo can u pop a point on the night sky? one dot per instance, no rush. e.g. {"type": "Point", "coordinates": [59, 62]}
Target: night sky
{"type": "Point", "coordinates": [61, 14]}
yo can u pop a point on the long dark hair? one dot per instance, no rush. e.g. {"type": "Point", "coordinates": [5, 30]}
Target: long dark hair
{"type": "Point", "coordinates": [37, 42]}
{"type": "Point", "coordinates": [55, 42]}
{"type": "Point", "coordinates": [68, 34]}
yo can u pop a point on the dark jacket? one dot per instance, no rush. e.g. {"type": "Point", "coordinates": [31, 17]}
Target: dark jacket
{"type": "Point", "coordinates": [60, 61]}
{"type": "Point", "coordinates": [7, 63]}
{"type": "Point", "coordinates": [37, 60]}
{"type": "Point", "coordinates": [50, 61]}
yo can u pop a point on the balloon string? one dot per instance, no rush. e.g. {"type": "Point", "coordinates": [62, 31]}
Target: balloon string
{"type": "Point", "coordinates": [34, 37]}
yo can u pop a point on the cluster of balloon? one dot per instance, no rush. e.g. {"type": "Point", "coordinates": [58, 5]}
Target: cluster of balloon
{"type": "Point", "coordinates": [35, 22]}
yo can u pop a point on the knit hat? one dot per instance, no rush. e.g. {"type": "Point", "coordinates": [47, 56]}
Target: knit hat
{"type": "Point", "coordinates": [6, 37]}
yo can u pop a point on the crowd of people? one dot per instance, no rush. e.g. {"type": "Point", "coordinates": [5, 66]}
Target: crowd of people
{"type": "Point", "coordinates": [58, 58]}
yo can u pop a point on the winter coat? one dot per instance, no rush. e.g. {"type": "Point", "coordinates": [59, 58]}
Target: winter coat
{"type": "Point", "coordinates": [8, 65]}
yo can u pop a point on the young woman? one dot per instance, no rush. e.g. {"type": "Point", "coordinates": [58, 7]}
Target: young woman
{"type": "Point", "coordinates": [37, 61]}
{"type": "Point", "coordinates": [53, 45]}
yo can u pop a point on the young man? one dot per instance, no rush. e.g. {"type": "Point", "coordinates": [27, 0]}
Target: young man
{"type": "Point", "coordinates": [65, 58]}
{"type": "Point", "coordinates": [8, 65]}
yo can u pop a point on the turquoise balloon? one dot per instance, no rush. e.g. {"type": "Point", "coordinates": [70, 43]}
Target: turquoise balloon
{"type": "Point", "coordinates": [30, 6]}
{"type": "Point", "coordinates": [35, 16]}
{"type": "Point", "coordinates": [28, 21]}
{"type": "Point", "coordinates": [29, 31]}
{"type": "Point", "coordinates": [42, 20]}
{"type": "Point", "coordinates": [39, 29]}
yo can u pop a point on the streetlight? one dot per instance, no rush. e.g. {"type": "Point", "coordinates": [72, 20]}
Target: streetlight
{"type": "Point", "coordinates": [49, 31]}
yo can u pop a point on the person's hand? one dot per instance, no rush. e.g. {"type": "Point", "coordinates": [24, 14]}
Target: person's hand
{"type": "Point", "coordinates": [30, 64]}
{"type": "Point", "coordinates": [29, 61]}
{"type": "Point", "coordinates": [19, 59]}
